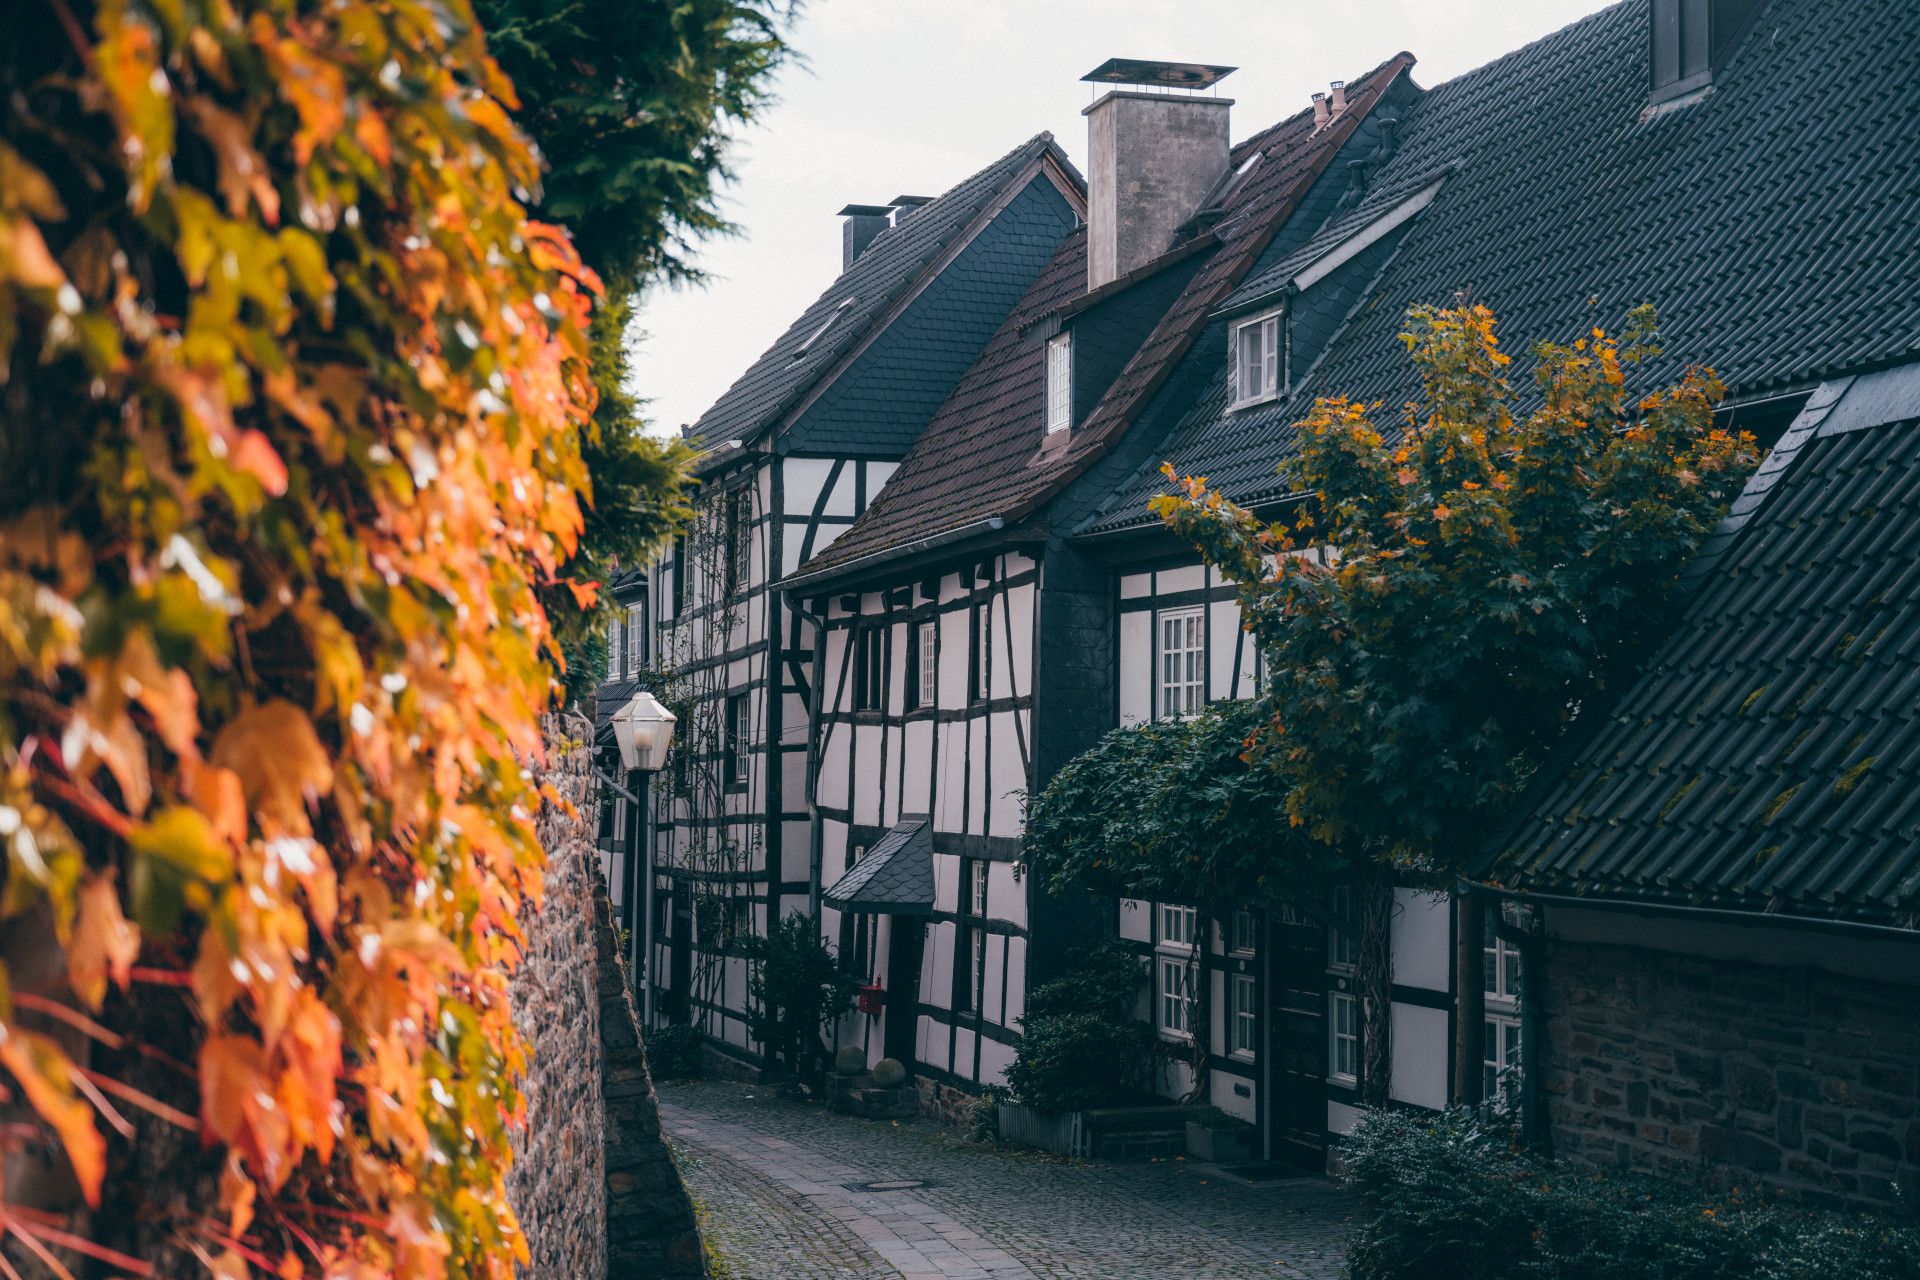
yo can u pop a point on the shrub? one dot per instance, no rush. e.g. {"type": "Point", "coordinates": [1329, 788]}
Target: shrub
{"type": "Point", "coordinates": [795, 987]}
{"type": "Point", "coordinates": [1446, 1197]}
{"type": "Point", "coordinates": [1081, 1045]}
{"type": "Point", "coordinates": [673, 1053]}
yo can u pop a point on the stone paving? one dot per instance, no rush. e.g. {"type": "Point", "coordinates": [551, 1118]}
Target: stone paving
{"type": "Point", "coordinates": [776, 1179]}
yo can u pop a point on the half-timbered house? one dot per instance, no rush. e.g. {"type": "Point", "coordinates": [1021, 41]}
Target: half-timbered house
{"type": "Point", "coordinates": [1741, 166]}
{"type": "Point", "coordinates": [969, 649]}
{"type": "Point", "coordinates": [790, 456]}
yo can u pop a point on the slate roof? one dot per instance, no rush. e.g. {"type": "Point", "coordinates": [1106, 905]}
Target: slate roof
{"type": "Point", "coordinates": [1768, 757]}
{"type": "Point", "coordinates": [878, 278]}
{"type": "Point", "coordinates": [896, 876]}
{"type": "Point", "coordinates": [1771, 223]}
{"type": "Point", "coordinates": [980, 457]}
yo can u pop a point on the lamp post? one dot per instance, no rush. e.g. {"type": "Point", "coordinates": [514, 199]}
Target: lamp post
{"type": "Point", "coordinates": [643, 731]}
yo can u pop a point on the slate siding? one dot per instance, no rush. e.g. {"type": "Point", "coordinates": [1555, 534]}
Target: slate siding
{"type": "Point", "coordinates": [1737, 1073]}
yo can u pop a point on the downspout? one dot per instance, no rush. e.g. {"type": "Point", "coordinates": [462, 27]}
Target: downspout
{"type": "Point", "coordinates": [1470, 999]}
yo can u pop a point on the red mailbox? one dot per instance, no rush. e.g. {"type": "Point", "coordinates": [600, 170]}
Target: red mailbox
{"type": "Point", "coordinates": [872, 999]}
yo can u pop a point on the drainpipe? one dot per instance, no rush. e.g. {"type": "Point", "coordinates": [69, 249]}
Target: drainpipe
{"type": "Point", "coordinates": [1469, 964]}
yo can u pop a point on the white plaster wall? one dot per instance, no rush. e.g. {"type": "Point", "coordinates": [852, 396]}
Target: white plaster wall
{"type": "Point", "coordinates": [1136, 920]}
{"type": "Point", "coordinates": [1017, 987]}
{"type": "Point", "coordinates": [1136, 667]}
{"type": "Point", "coordinates": [995, 1058]}
{"type": "Point", "coordinates": [1421, 1051]}
{"type": "Point", "coordinates": [1135, 585]}
{"type": "Point", "coordinates": [918, 783]}
{"type": "Point", "coordinates": [1422, 939]}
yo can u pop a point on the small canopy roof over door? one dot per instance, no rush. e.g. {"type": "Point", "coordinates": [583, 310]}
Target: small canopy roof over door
{"type": "Point", "coordinates": [895, 878]}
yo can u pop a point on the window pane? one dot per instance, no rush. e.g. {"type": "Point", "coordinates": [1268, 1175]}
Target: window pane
{"type": "Point", "coordinates": [1270, 363]}
{"type": "Point", "coordinates": [1249, 362]}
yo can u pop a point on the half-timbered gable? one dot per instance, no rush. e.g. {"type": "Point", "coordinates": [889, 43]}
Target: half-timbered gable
{"type": "Point", "coordinates": [793, 453]}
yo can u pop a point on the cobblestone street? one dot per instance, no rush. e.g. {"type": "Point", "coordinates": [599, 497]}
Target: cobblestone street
{"type": "Point", "coordinates": [777, 1180]}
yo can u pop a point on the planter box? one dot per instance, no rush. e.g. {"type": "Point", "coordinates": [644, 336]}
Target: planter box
{"type": "Point", "coordinates": [1061, 1132]}
{"type": "Point", "coordinates": [1219, 1146]}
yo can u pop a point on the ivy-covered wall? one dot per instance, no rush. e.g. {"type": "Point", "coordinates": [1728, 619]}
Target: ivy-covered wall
{"type": "Point", "coordinates": [592, 1181]}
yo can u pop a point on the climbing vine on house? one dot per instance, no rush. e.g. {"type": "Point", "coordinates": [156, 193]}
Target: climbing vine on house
{"type": "Point", "coordinates": [1482, 573]}
{"type": "Point", "coordinates": [294, 396]}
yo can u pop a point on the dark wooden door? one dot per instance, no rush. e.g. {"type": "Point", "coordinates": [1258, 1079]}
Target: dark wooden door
{"type": "Point", "coordinates": [1297, 1014]}
{"type": "Point", "coordinates": [904, 944]}
{"type": "Point", "coordinates": [680, 956]}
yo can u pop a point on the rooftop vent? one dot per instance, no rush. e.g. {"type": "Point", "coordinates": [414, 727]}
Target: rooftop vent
{"type": "Point", "coordinates": [905, 207]}
{"type": "Point", "coordinates": [1690, 40]}
{"type": "Point", "coordinates": [1155, 151]}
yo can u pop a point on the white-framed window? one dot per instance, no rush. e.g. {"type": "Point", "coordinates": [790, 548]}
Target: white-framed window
{"type": "Point", "coordinates": [739, 539]}
{"type": "Point", "coordinates": [1176, 995]}
{"type": "Point", "coordinates": [1245, 937]}
{"type": "Point", "coordinates": [1059, 383]}
{"type": "Point", "coordinates": [1183, 656]}
{"type": "Point", "coordinates": [977, 675]}
{"type": "Point", "coordinates": [977, 890]}
{"type": "Point", "coordinates": [926, 645]}
{"type": "Point", "coordinates": [1246, 1016]}
{"type": "Point", "coordinates": [1500, 1052]}
{"type": "Point", "coordinates": [1177, 925]}
{"type": "Point", "coordinates": [1177, 944]}
{"type": "Point", "coordinates": [869, 655]}
{"type": "Point", "coordinates": [616, 632]}
{"type": "Point", "coordinates": [1343, 934]}
{"type": "Point", "coordinates": [1343, 1037]}
{"type": "Point", "coordinates": [1256, 359]}
{"type": "Point", "coordinates": [1500, 1065]}
{"type": "Point", "coordinates": [739, 726]}
{"type": "Point", "coordinates": [636, 638]}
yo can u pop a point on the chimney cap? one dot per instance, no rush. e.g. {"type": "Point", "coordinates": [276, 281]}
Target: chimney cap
{"type": "Point", "coordinates": [899, 201]}
{"type": "Point", "coordinates": [1166, 75]}
{"type": "Point", "coordinates": [865, 211]}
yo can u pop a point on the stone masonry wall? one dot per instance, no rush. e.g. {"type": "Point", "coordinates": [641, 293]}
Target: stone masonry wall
{"type": "Point", "coordinates": [592, 1180]}
{"type": "Point", "coordinates": [1734, 1072]}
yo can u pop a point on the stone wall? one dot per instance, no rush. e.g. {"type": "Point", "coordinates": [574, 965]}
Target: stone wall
{"type": "Point", "coordinates": [593, 1182]}
{"type": "Point", "coordinates": [1732, 1071]}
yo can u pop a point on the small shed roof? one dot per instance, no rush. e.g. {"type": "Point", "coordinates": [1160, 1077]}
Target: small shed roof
{"type": "Point", "coordinates": [895, 878]}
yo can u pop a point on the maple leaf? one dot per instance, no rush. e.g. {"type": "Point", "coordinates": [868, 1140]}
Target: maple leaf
{"type": "Point", "coordinates": [273, 750]}
{"type": "Point", "coordinates": [104, 942]}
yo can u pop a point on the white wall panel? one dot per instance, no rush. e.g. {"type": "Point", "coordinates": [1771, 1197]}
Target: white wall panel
{"type": "Point", "coordinates": [1421, 1051]}
{"type": "Point", "coordinates": [1136, 667]}
{"type": "Point", "coordinates": [1220, 1093]}
{"type": "Point", "coordinates": [946, 882]}
{"type": "Point", "coordinates": [1135, 585]}
{"type": "Point", "coordinates": [1007, 782]}
{"type": "Point", "coordinates": [1422, 939]}
{"type": "Point", "coordinates": [963, 1053]}
{"type": "Point", "coordinates": [866, 792]}
{"type": "Point", "coordinates": [995, 1058]}
{"type": "Point", "coordinates": [1223, 639]}
{"type": "Point", "coordinates": [917, 785]}
{"type": "Point", "coordinates": [1017, 981]}
{"type": "Point", "coordinates": [949, 812]}
{"type": "Point", "coordinates": [936, 966]}
{"type": "Point", "coordinates": [1342, 1118]}
{"type": "Point", "coordinates": [993, 1008]}
{"type": "Point", "coordinates": [1136, 920]}
{"type": "Point", "coordinates": [1188, 577]}
{"type": "Point", "coordinates": [976, 775]}
{"type": "Point", "coordinates": [1006, 896]}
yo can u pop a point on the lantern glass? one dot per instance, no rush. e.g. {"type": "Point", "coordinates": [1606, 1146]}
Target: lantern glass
{"type": "Point", "coordinates": [643, 730]}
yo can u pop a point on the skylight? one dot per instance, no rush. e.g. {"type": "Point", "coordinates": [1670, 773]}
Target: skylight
{"type": "Point", "coordinates": [839, 310]}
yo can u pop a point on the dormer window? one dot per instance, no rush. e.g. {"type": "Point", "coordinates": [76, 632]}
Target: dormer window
{"type": "Point", "coordinates": [1256, 359]}
{"type": "Point", "coordinates": [1059, 383]}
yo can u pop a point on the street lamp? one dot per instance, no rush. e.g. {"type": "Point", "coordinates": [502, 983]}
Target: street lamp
{"type": "Point", "coordinates": [643, 730]}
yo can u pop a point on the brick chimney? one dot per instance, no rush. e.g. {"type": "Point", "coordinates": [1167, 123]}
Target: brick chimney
{"type": "Point", "coordinates": [1155, 150]}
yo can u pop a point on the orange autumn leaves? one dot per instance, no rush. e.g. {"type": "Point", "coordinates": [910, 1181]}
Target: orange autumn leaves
{"type": "Point", "coordinates": [295, 392]}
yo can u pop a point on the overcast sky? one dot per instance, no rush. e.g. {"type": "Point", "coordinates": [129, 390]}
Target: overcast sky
{"type": "Point", "coordinates": [910, 96]}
